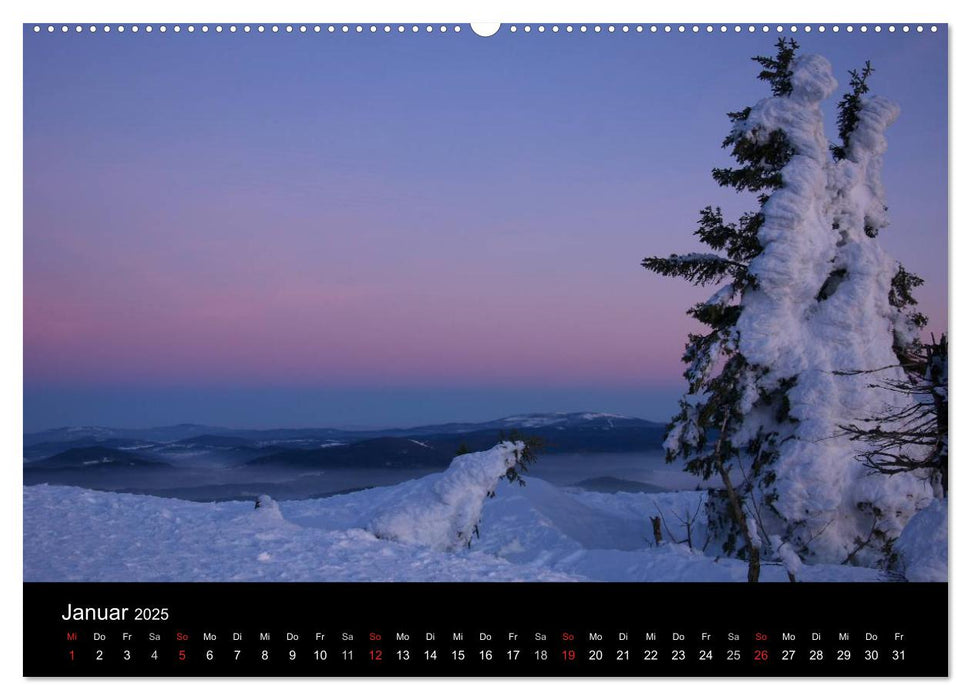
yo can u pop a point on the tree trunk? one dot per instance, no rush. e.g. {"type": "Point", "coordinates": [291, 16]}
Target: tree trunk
{"type": "Point", "coordinates": [754, 565]}
{"type": "Point", "coordinates": [656, 524]}
{"type": "Point", "coordinates": [941, 413]}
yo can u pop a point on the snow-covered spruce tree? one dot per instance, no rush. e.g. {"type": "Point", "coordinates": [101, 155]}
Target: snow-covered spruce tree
{"type": "Point", "coordinates": [805, 294]}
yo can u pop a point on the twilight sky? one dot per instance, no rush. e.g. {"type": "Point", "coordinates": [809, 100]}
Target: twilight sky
{"type": "Point", "coordinates": [269, 230]}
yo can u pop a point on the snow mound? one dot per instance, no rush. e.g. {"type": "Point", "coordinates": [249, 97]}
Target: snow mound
{"type": "Point", "coordinates": [445, 514]}
{"type": "Point", "coordinates": [922, 546]}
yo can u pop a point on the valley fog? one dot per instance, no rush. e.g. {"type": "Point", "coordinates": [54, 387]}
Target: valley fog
{"type": "Point", "coordinates": [646, 471]}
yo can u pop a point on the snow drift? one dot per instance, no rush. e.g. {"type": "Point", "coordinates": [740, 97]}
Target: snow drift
{"type": "Point", "coordinates": [922, 547]}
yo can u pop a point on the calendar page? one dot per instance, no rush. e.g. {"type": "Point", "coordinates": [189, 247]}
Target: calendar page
{"type": "Point", "coordinates": [410, 349]}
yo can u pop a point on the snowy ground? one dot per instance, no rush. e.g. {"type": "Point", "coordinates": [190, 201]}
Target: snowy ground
{"type": "Point", "coordinates": [539, 532]}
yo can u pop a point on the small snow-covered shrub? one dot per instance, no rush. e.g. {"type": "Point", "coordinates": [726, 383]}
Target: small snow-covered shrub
{"type": "Point", "coordinates": [446, 514]}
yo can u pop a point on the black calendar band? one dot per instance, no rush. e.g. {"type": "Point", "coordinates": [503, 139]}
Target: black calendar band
{"type": "Point", "coordinates": [485, 629]}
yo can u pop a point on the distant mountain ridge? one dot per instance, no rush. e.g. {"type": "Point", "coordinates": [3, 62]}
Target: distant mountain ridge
{"type": "Point", "coordinates": [431, 446]}
{"type": "Point", "coordinates": [209, 463]}
{"type": "Point", "coordinates": [186, 431]}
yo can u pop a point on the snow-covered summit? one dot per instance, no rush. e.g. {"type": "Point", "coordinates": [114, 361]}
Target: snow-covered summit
{"type": "Point", "coordinates": [539, 420]}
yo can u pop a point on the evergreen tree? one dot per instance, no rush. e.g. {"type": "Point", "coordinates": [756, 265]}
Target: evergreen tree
{"type": "Point", "coordinates": [795, 274]}
{"type": "Point", "coordinates": [706, 432]}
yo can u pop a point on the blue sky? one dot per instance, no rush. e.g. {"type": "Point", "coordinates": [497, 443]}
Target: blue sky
{"type": "Point", "coordinates": [262, 230]}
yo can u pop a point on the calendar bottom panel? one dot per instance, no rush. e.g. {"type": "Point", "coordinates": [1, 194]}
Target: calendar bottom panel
{"type": "Point", "coordinates": [485, 629]}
